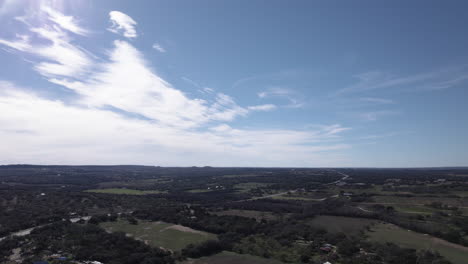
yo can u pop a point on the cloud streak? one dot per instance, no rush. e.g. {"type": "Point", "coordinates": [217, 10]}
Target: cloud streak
{"type": "Point", "coordinates": [265, 107]}
{"type": "Point", "coordinates": [280, 92]}
{"type": "Point", "coordinates": [376, 115]}
{"type": "Point", "coordinates": [159, 48]}
{"type": "Point", "coordinates": [60, 56]}
{"type": "Point", "coordinates": [377, 100]}
{"type": "Point", "coordinates": [122, 24]}
{"type": "Point", "coordinates": [434, 80]}
{"type": "Point", "coordinates": [67, 22]}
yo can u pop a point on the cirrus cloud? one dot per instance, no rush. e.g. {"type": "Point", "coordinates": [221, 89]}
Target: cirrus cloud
{"type": "Point", "coordinates": [122, 24]}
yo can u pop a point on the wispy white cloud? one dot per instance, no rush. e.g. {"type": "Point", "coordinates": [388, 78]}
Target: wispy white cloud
{"type": "Point", "coordinates": [376, 115]}
{"type": "Point", "coordinates": [275, 91]}
{"type": "Point", "coordinates": [384, 135]}
{"type": "Point", "coordinates": [280, 92]}
{"type": "Point", "coordinates": [264, 107]}
{"type": "Point", "coordinates": [334, 129]}
{"type": "Point", "coordinates": [147, 94]}
{"type": "Point", "coordinates": [208, 90]}
{"type": "Point", "coordinates": [159, 48]}
{"type": "Point", "coordinates": [200, 88]}
{"type": "Point", "coordinates": [66, 22]}
{"type": "Point", "coordinates": [122, 24]}
{"type": "Point", "coordinates": [191, 82]}
{"type": "Point", "coordinates": [377, 100]}
{"type": "Point", "coordinates": [21, 43]}
{"type": "Point", "coordinates": [440, 79]}
{"type": "Point", "coordinates": [62, 58]}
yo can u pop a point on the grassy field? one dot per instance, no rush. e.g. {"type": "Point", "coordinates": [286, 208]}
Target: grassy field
{"type": "Point", "coordinates": [226, 257]}
{"type": "Point", "coordinates": [199, 190]}
{"type": "Point", "coordinates": [160, 234]}
{"type": "Point", "coordinates": [247, 186]}
{"type": "Point", "coordinates": [134, 184]}
{"type": "Point", "coordinates": [258, 215]}
{"type": "Point", "coordinates": [347, 225]}
{"type": "Point", "coordinates": [239, 175]}
{"type": "Point", "coordinates": [124, 191]}
{"type": "Point", "coordinates": [390, 233]}
{"type": "Point", "coordinates": [293, 197]}
{"type": "Point", "coordinates": [461, 193]}
{"type": "Point", "coordinates": [414, 209]}
{"type": "Point", "coordinates": [461, 202]}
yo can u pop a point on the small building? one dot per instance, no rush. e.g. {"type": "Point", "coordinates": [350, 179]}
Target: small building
{"type": "Point", "coordinates": [326, 249]}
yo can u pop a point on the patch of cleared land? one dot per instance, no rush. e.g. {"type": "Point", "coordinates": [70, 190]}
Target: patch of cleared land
{"type": "Point", "coordinates": [238, 175]}
{"type": "Point", "coordinates": [247, 186]}
{"type": "Point", "coordinates": [258, 215]}
{"type": "Point", "coordinates": [415, 209]}
{"type": "Point", "coordinates": [385, 232]}
{"type": "Point", "coordinates": [124, 191]}
{"type": "Point", "coordinates": [417, 200]}
{"type": "Point", "coordinates": [160, 234]}
{"type": "Point", "coordinates": [347, 225]}
{"type": "Point", "coordinates": [199, 190]}
{"type": "Point", "coordinates": [227, 257]}
{"type": "Point", "coordinates": [134, 184]}
{"type": "Point", "coordinates": [303, 197]}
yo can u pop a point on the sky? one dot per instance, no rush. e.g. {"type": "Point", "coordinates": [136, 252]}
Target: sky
{"type": "Point", "coordinates": [234, 83]}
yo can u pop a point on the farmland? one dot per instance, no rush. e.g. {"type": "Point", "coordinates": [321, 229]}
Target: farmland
{"type": "Point", "coordinates": [160, 234]}
{"type": "Point", "coordinates": [258, 215]}
{"type": "Point", "coordinates": [337, 224]}
{"type": "Point", "coordinates": [406, 238]}
{"type": "Point", "coordinates": [226, 257]}
{"type": "Point", "coordinates": [123, 191]}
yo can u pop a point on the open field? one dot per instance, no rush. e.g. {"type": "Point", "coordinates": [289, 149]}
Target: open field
{"type": "Point", "coordinates": [306, 196]}
{"type": "Point", "coordinates": [461, 193]}
{"type": "Point", "coordinates": [124, 191]}
{"type": "Point", "coordinates": [294, 197]}
{"type": "Point", "coordinates": [227, 257]}
{"type": "Point", "coordinates": [239, 175]}
{"type": "Point", "coordinates": [258, 215]}
{"type": "Point", "coordinates": [415, 209]}
{"type": "Point", "coordinates": [199, 190]}
{"type": "Point", "coordinates": [247, 186]}
{"type": "Point", "coordinates": [417, 200]}
{"type": "Point", "coordinates": [160, 234]}
{"type": "Point", "coordinates": [405, 238]}
{"type": "Point", "coordinates": [347, 225]}
{"type": "Point", "coordinates": [136, 184]}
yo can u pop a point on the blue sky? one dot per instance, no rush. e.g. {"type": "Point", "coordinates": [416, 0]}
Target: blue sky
{"type": "Point", "coordinates": [234, 83]}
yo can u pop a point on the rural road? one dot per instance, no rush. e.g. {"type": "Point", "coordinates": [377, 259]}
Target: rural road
{"type": "Point", "coordinates": [364, 210]}
{"type": "Point", "coordinates": [345, 176]}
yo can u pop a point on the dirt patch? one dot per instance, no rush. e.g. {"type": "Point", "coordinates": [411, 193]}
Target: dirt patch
{"type": "Point", "coordinates": [439, 241]}
{"type": "Point", "coordinates": [16, 256]}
